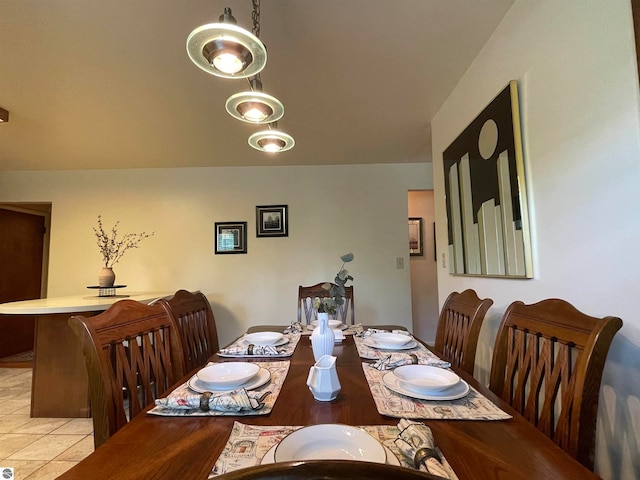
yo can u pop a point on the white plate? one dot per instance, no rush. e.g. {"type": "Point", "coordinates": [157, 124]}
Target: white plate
{"type": "Point", "coordinates": [370, 342]}
{"type": "Point", "coordinates": [314, 325]}
{"type": "Point", "coordinates": [283, 341]}
{"type": "Point", "coordinates": [269, 457]}
{"type": "Point", "coordinates": [227, 375]}
{"type": "Point", "coordinates": [263, 338]}
{"type": "Point", "coordinates": [262, 377]}
{"type": "Point", "coordinates": [425, 378]}
{"type": "Point", "coordinates": [391, 339]}
{"type": "Point", "coordinates": [332, 323]}
{"type": "Point", "coordinates": [459, 390]}
{"type": "Point", "coordinates": [330, 442]}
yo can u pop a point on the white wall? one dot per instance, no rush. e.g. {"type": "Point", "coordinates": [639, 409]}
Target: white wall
{"type": "Point", "coordinates": [575, 64]}
{"type": "Point", "coordinates": [332, 210]}
{"type": "Point", "coordinates": [424, 271]}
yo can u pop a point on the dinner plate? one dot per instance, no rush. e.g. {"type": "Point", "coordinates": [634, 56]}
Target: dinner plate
{"type": "Point", "coordinates": [390, 338]}
{"type": "Point", "coordinates": [459, 390]}
{"type": "Point", "coordinates": [370, 342]}
{"type": "Point", "coordinates": [283, 341]}
{"type": "Point", "coordinates": [426, 378]}
{"type": "Point", "coordinates": [263, 338]}
{"type": "Point", "coordinates": [330, 442]}
{"type": "Point", "coordinates": [227, 375]}
{"type": "Point", "coordinates": [269, 457]}
{"type": "Point", "coordinates": [259, 379]}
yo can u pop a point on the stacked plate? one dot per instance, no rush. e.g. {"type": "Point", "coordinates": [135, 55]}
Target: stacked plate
{"type": "Point", "coordinates": [390, 341]}
{"type": "Point", "coordinates": [265, 338]}
{"type": "Point", "coordinates": [335, 324]}
{"type": "Point", "coordinates": [330, 442]}
{"type": "Point", "coordinates": [426, 382]}
{"type": "Point", "coordinates": [227, 376]}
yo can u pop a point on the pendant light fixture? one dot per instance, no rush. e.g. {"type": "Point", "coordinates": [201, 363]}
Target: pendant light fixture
{"type": "Point", "coordinates": [226, 50]}
{"type": "Point", "coordinates": [255, 106]}
{"type": "Point", "coordinates": [272, 140]}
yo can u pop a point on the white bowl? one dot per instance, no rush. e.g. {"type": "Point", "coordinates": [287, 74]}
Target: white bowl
{"type": "Point", "coordinates": [330, 442]}
{"type": "Point", "coordinates": [331, 323]}
{"type": "Point", "coordinates": [391, 339]}
{"type": "Point", "coordinates": [228, 374]}
{"type": "Point", "coordinates": [263, 338]}
{"type": "Point", "coordinates": [425, 378]}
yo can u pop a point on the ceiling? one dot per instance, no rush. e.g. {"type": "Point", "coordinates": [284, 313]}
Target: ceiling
{"type": "Point", "coordinates": [95, 84]}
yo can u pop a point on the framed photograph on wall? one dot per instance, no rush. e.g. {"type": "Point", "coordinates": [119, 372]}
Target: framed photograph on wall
{"type": "Point", "coordinates": [415, 237]}
{"type": "Point", "coordinates": [272, 221]}
{"type": "Point", "coordinates": [230, 237]}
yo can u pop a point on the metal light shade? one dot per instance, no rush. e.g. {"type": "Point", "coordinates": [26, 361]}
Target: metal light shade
{"type": "Point", "coordinates": [255, 107]}
{"type": "Point", "coordinates": [226, 50]}
{"type": "Point", "coordinates": [271, 141]}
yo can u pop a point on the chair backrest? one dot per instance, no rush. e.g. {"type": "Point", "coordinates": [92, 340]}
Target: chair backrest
{"type": "Point", "coordinates": [307, 295]}
{"type": "Point", "coordinates": [547, 364]}
{"type": "Point", "coordinates": [459, 326]}
{"type": "Point", "coordinates": [196, 323]}
{"type": "Point", "coordinates": [133, 354]}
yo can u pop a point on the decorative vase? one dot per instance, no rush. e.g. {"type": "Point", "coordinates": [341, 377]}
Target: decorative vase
{"type": "Point", "coordinates": [322, 338]}
{"type": "Point", "coordinates": [106, 278]}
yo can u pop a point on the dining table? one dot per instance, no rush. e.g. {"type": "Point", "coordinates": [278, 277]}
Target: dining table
{"type": "Point", "coordinates": [170, 447]}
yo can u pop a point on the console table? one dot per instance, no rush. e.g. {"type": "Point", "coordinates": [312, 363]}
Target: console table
{"type": "Point", "coordinates": [59, 387]}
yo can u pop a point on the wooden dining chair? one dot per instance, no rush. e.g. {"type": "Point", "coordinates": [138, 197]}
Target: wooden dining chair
{"type": "Point", "coordinates": [308, 295]}
{"type": "Point", "coordinates": [459, 327]}
{"type": "Point", "coordinates": [547, 364]}
{"type": "Point", "coordinates": [133, 354]}
{"type": "Point", "coordinates": [327, 470]}
{"type": "Point", "coordinates": [196, 323]}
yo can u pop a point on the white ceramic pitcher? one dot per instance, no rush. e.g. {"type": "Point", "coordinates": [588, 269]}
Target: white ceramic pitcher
{"type": "Point", "coordinates": [323, 379]}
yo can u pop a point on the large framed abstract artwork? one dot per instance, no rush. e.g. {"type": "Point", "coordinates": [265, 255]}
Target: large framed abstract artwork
{"type": "Point", "coordinates": [486, 198]}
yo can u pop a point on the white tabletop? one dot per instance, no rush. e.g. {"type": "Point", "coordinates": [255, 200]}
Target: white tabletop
{"type": "Point", "coordinates": [76, 303]}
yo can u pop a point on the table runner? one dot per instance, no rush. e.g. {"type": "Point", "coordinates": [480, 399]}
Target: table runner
{"type": "Point", "coordinates": [247, 445]}
{"type": "Point", "coordinates": [278, 374]}
{"type": "Point", "coordinates": [285, 350]}
{"type": "Point", "coordinates": [473, 406]}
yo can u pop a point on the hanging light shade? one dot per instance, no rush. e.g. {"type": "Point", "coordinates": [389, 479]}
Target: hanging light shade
{"type": "Point", "coordinates": [226, 50]}
{"type": "Point", "coordinates": [271, 141]}
{"type": "Point", "coordinates": [255, 106]}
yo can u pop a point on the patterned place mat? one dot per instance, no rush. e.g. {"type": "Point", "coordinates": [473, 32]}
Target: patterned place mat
{"type": "Point", "coordinates": [473, 406]}
{"type": "Point", "coordinates": [247, 445]}
{"type": "Point", "coordinates": [372, 353]}
{"type": "Point", "coordinates": [238, 349]}
{"type": "Point", "coordinates": [278, 374]}
{"type": "Point", "coordinates": [350, 330]}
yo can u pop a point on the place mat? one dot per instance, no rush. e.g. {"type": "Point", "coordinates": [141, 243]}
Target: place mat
{"type": "Point", "coordinates": [247, 445]}
{"type": "Point", "coordinates": [240, 348]}
{"type": "Point", "coordinates": [371, 353]}
{"type": "Point", "coordinates": [306, 330]}
{"type": "Point", "coordinates": [278, 374]}
{"type": "Point", "coordinates": [473, 406]}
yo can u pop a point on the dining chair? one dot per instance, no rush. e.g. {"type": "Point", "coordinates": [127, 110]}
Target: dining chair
{"type": "Point", "coordinates": [307, 295]}
{"type": "Point", "coordinates": [547, 364]}
{"type": "Point", "coordinates": [133, 354]}
{"type": "Point", "coordinates": [327, 470]}
{"type": "Point", "coordinates": [459, 327]}
{"type": "Point", "coordinates": [196, 323]}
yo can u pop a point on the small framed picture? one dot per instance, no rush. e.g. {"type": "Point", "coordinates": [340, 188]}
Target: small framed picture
{"type": "Point", "coordinates": [415, 236]}
{"type": "Point", "coordinates": [272, 221]}
{"type": "Point", "coordinates": [230, 237]}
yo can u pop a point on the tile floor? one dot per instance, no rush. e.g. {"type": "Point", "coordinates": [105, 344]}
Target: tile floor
{"type": "Point", "coordinates": [37, 448]}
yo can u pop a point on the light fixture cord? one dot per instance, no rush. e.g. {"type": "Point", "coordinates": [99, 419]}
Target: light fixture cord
{"type": "Point", "coordinates": [255, 16]}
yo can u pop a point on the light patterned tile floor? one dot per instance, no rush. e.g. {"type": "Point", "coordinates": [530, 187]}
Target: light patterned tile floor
{"type": "Point", "coordinates": [37, 448]}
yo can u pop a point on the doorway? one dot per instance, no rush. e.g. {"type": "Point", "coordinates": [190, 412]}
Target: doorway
{"type": "Point", "coordinates": [24, 249]}
{"type": "Point", "coordinates": [424, 277]}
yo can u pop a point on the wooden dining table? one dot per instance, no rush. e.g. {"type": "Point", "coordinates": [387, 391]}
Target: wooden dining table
{"type": "Point", "coordinates": [187, 447]}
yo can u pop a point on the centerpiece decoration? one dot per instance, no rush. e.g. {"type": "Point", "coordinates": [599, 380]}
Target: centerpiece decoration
{"type": "Point", "coordinates": [113, 248]}
{"type": "Point", "coordinates": [323, 338]}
